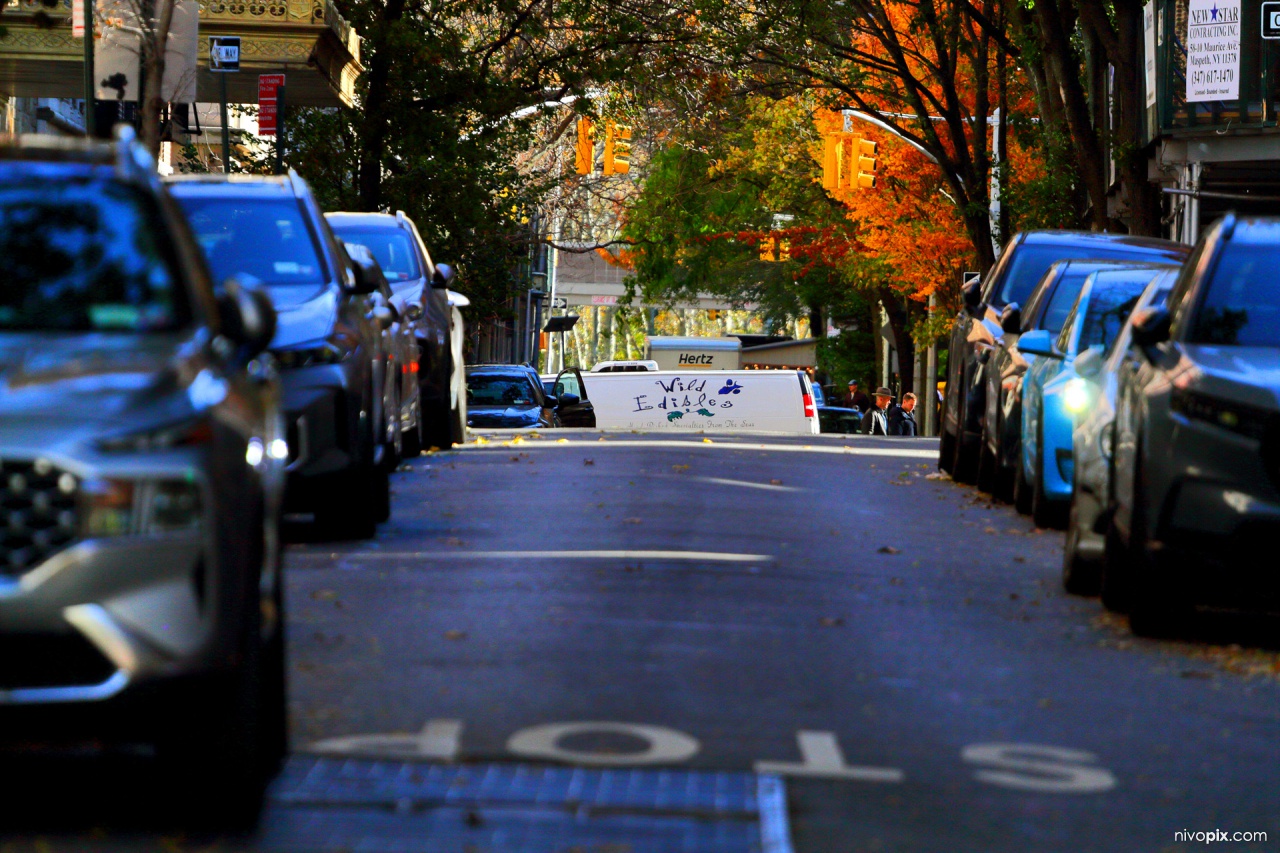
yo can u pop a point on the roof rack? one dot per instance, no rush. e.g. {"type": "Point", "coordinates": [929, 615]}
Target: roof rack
{"type": "Point", "coordinates": [131, 161]}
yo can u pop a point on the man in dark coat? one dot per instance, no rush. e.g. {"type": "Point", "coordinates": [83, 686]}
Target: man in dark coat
{"type": "Point", "coordinates": [901, 419]}
{"type": "Point", "coordinates": [876, 419]}
{"type": "Point", "coordinates": [858, 399]}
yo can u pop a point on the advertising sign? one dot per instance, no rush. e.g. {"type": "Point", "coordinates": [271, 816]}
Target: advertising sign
{"type": "Point", "coordinates": [1213, 50]}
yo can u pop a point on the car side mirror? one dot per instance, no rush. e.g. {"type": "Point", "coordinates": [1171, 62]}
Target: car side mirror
{"type": "Point", "coordinates": [972, 296]}
{"type": "Point", "coordinates": [413, 311]}
{"type": "Point", "coordinates": [1151, 326]}
{"type": "Point", "coordinates": [368, 272]}
{"type": "Point", "coordinates": [566, 400]}
{"type": "Point", "coordinates": [1038, 342]}
{"type": "Point", "coordinates": [444, 277]}
{"type": "Point", "coordinates": [246, 315]}
{"type": "Point", "coordinates": [1011, 319]}
{"type": "Point", "coordinates": [384, 316]}
{"type": "Point", "coordinates": [1089, 363]}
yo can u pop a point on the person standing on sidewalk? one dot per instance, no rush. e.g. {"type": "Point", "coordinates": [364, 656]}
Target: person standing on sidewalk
{"type": "Point", "coordinates": [901, 419]}
{"type": "Point", "coordinates": [858, 399]}
{"type": "Point", "coordinates": [876, 420]}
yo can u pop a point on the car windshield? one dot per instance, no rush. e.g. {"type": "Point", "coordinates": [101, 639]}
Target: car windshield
{"type": "Point", "coordinates": [496, 389]}
{"type": "Point", "coordinates": [266, 238]}
{"type": "Point", "coordinates": [1242, 305]}
{"type": "Point", "coordinates": [1063, 298]}
{"type": "Point", "coordinates": [85, 256]}
{"type": "Point", "coordinates": [391, 246]}
{"type": "Point", "coordinates": [1031, 261]}
{"type": "Point", "coordinates": [1109, 307]}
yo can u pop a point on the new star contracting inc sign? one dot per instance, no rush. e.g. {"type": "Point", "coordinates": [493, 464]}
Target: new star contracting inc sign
{"type": "Point", "coordinates": [1213, 50]}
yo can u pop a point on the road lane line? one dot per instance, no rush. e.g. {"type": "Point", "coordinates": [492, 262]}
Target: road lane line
{"type": "Point", "coordinates": [680, 556]}
{"type": "Point", "coordinates": [768, 487]}
{"type": "Point", "coordinates": [839, 450]}
{"type": "Point", "coordinates": [820, 757]}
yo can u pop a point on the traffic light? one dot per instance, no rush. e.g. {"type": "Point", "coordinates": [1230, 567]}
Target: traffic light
{"type": "Point", "coordinates": [713, 314]}
{"type": "Point", "coordinates": [584, 159]}
{"type": "Point", "coordinates": [767, 247]}
{"type": "Point", "coordinates": [867, 163]}
{"type": "Point", "coordinates": [831, 172]}
{"type": "Point", "coordinates": [784, 249]}
{"type": "Point", "coordinates": [617, 148]}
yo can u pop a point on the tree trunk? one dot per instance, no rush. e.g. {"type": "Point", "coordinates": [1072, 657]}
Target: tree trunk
{"type": "Point", "coordinates": [900, 327]}
{"type": "Point", "coordinates": [155, 24]}
{"type": "Point", "coordinates": [376, 118]}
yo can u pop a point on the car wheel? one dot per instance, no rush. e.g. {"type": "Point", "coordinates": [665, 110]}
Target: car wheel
{"type": "Point", "coordinates": [353, 504]}
{"type": "Point", "coordinates": [1079, 576]}
{"type": "Point", "coordinates": [224, 736]}
{"type": "Point", "coordinates": [413, 440]}
{"type": "Point", "coordinates": [1021, 488]}
{"type": "Point", "coordinates": [1114, 583]}
{"type": "Point", "coordinates": [392, 432]}
{"type": "Point", "coordinates": [947, 452]}
{"type": "Point", "coordinates": [1153, 611]}
{"type": "Point", "coordinates": [988, 465]}
{"type": "Point", "coordinates": [964, 468]}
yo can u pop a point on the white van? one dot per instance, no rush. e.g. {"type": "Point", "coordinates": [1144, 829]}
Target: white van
{"type": "Point", "coordinates": [747, 400]}
{"type": "Point", "coordinates": [632, 366]}
{"type": "Point", "coordinates": [674, 353]}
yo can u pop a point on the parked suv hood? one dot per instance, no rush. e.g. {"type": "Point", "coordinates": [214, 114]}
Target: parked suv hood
{"type": "Point", "coordinates": [73, 384]}
{"type": "Point", "coordinates": [1249, 375]}
{"type": "Point", "coordinates": [307, 321]}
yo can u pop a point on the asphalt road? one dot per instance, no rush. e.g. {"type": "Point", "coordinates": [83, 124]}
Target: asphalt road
{"type": "Point", "coordinates": [826, 609]}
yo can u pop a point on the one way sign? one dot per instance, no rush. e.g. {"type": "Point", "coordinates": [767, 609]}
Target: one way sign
{"type": "Point", "coordinates": [224, 53]}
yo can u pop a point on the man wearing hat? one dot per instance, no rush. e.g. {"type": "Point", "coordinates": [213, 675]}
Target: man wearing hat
{"type": "Point", "coordinates": [857, 398]}
{"type": "Point", "coordinates": [876, 420]}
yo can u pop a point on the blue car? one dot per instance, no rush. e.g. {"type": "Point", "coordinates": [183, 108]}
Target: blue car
{"type": "Point", "coordinates": [1093, 441]}
{"type": "Point", "coordinates": [1054, 394]}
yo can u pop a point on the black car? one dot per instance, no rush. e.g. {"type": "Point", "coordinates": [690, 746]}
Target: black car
{"type": "Point", "coordinates": [141, 474]}
{"type": "Point", "coordinates": [1196, 460]}
{"type": "Point", "coordinates": [420, 293]}
{"type": "Point", "coordinates": [506, 396]}
{"type": "Point", "coordinates": [1046, 308]}
{"type": "Point", "coordinates": [1024, 261]}
{"type": "Point", "coordinates": [835, 419]}
{"type": "Point", "coordinates": [329, 339]}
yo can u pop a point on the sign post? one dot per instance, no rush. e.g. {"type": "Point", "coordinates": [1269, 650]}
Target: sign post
{"type": "Point", "coordinates": [82, 28]}
{"type": "Point", "coordinates": [224, 58]}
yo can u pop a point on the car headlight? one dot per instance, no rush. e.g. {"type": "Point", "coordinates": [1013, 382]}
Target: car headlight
{"type": "Point", "coordinates": [312, 355]}
{"type": "Point", "coordinates": [1236, 417]}
{"type": "Point", "coordinates": [117, 507]}
{"type": "Point", "coordinates": [1076, 396]}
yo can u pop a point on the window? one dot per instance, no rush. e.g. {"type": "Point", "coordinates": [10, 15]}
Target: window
{"type": "Point", "coordinates": [86, 255]}
{"type": "Point", "coordinates": [266, 238]}
{"type": "Point", "coordinates": [1242, 304]}
{"type": "Point", "coordinates": [393, 247]}
{"type": "Point", "coordinates": [495, 389]}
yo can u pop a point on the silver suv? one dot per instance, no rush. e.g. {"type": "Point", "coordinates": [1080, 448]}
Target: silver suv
{"type": "Point", "coordinates": [141, 473]}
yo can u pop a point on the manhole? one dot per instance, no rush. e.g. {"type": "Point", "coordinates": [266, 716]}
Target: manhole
{"type": "Point", "coordinates": [326, 805]}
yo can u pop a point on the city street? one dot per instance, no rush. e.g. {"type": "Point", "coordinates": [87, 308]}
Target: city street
{"type": "Point", "coordinates": [894, 648]}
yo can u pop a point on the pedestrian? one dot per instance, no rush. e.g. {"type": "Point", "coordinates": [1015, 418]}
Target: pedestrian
{"type": "Point", "coordinates": [876, 420]}
{"type": "Point", "coordinates": [901, 419]}
{"type": "Point", "coordinates": [858, 399]}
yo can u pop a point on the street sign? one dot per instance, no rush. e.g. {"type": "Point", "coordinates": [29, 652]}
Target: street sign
{"type": "Point", "coordinates": [224, 54]}
{"type": "Point", "coordinates": [77, 19]}
{"type": "Point", "coordinates": [560, 302]}
{"type": "Point", "coordinates": [1271, 20]}
{"type": "Point", "coordinates": [968, 278]}
{"type": "Point", "coordinates": [269, 86]}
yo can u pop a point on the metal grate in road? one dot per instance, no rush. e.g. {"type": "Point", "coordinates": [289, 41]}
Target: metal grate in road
{"type": "Point", "coordinates": [325, 804]}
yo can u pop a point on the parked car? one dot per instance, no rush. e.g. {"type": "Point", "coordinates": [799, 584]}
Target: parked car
{"type": "Point", "coordinates": [1092, 441]}
{"type": "Point", "coordinates": [1046, 308]}
{"type": "Point", "coordinates": [405, 429]}
{"type": "Point", "coordinates": [1197, 474]}
{"type": "Point", "coordinates": [835, 419]}
{"type": "Point", "coordinates": [570, 400]}
{"type": "Point", "coordinates": [420, 289]}
{"type": "Point", "coordinates": [632, 366]}
{"type": "Point", "coordinates": [1024, 261]}
{"type": "Point", "coordinates": [328, 342]}
{"type": "Point", "coordinates": [506, 396]}
{"type": "Point", "coordinates": [1054, 393]}
{"type": "Point", "coordinates": [142, 452]}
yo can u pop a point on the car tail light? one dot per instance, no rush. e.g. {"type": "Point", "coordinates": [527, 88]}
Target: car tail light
{"type": "Point", "coordinates": [810, 410]}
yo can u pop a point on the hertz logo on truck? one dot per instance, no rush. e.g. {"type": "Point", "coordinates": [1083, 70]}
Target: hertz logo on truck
{"type": "Point", "coordinates": [690, 359]}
